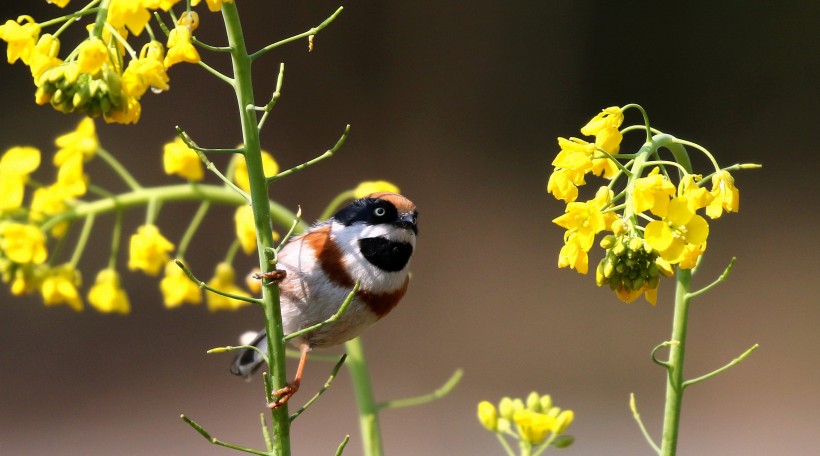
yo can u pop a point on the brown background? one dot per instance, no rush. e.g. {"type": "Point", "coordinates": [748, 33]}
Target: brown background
{"type": "Point", "coordinates": [460, 105]}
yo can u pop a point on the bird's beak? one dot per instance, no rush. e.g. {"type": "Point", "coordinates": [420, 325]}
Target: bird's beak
{"type": "Point", "coordinates": [408, 221]}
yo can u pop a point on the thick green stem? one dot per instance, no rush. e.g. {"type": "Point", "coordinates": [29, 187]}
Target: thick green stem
{"type": "Point", "coordinates": [243, 86]}
{"type": "Point", "coordinates": [674, 385]}
{"type": "Point", "coordinates": [368, 409]}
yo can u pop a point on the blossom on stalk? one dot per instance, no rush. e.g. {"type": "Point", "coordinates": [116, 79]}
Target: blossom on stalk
{"type": "Point", "coordinates": [22, 243]}
{"type": "Point", "coordinates": [21, 38]}
{"type": "Point", "coordinates": [536, 421]}
{"type": "Point", "coordinates": [60, 287]}
{"type": "Point", "coordinates": [224, 280]}
{"type": "Point", "coordinates": [146, 71]}
{"type": "Point", "coordinates": [582, 222]}
{"type": "Point", "coordinates": [180, 48]}
{"type": "Point", "coordinates": [148, 250]}
{"type": "Point", "coordinates": [726, 195]}
{"type": "Point", "coordinates": [46, 202]}
{"type": "Point", "coordinates": [44, 55]}
{"type": "Point", "coordinates": [179, 159]}
{"type": "Point", "coordinates": [107, 294]}
{"type": "Point", "coordinates": [652, 192]}
{"type": "Point", "coordinates": [15, 166]}
{"type": "Point", "coordinates": [681, 227]}
{"type": "Point", "coordinates": [177, 288]}
{"type": "Point", "coordinates": [93, 53]}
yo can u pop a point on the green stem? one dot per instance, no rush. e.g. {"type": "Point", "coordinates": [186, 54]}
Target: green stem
{"type": "Point", "coordinates": [674, 384]}
{"type": "Point", "coordinates": [368, 409]}
{"type": "Point", "coordinates": [119, 169]}
{"type": "Point", "coordinates": [243, 86]}
{"type": "Point", "coordinates": [192, 227]}
{"type": "Point", "coordinates": [167, 193]}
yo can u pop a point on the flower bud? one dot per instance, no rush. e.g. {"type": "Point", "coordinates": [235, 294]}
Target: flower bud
{"type": "Point", "coordinates": [488, 415]}
{"type": "Point", "coordinates": [505, 407]}
{"type": "Point", "coordinates": [534, 402]}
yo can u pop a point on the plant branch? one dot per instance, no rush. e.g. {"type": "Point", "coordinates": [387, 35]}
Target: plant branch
{"type": "Point", "coordinates": [634, 407]}
{"type": "Point", "coordinates": [728, 366]}
{"type": "Point", "coordinates": [216, 441]}
{"type": "Point", "coordinates": [425, 398]}
{"type": "Point", "coordinates": [327, 154]}
{"type": "Point", "coordinates": [204, 285]}
{"type": "Point", "coordinates": [717, 281]}
{"type": "Point", "coordinates": [312, 31]}
{"type": "Point", "coordinates": [330, 320]}
{"type": "Point", "coordinates": [321, 390]}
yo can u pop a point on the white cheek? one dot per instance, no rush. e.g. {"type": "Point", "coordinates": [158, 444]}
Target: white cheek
{"type": "Point", "coordinates": [373, 278]}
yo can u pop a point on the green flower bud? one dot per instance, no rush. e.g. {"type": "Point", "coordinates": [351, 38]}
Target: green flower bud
{"type": "Point", "coordinates": [563, 441]}
{"type": "Point", "coordinates": [534, 402]}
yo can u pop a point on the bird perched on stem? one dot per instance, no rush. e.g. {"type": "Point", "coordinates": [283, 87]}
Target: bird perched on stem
{"type": "Point", "coordinates": [369, 242]}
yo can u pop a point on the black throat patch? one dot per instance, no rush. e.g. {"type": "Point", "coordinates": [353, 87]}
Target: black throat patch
{"type": "Point", "coordinates": [385, 254]}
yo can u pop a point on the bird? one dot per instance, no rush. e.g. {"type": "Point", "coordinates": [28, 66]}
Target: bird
{"type": "Point", "coordinates": [370, 242]}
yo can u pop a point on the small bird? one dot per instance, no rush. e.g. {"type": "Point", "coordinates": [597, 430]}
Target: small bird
{"type": "Point", "coordinates": [370, 241]}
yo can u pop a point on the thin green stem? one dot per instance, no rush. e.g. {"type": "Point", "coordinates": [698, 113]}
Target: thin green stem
{"type": "Point", "coordinates": [79, 247]}
{"type": "Point", "coordinates": [312, 31]}
{"type": "Point", "coordinates": [505, 444]}
{"type": "Point", "coordinates": [90, 8]}
{"type": "Point", "coordinates": [717, 281]}
{"type": "Point", "coordinates": [99, 22]}
{"type": "Point", "coordinates": [210, 47]}
{"type": "Point", "coordinates": [266, 433]}
{"type": "Point", "coordinates": [330, 320]}
{"type": "Point", "coordinates": [231, 348]}
{"type": "Point", "coordinates": [116, 234]}
{"type": "Point", "coordinates": [218, 442]}
{"type": "Point", "coordinates": [647, 127]}
{"type": "Point", "coordinates": [167, 193]}
{"type": "Point", "coordinates": [327, 154]}
{"type": "Point", "coordinates": [342, 445]}
{"type": "Point", "coordinates": [726, 367]}
{"type": "Point", "coordinates": [274, 98]}
{"type": "Point", "coordinates": [219, 75]}
{"type": "Point", "coordinates": [674, 385]}
{"type": "Point", "coordinates": [119, 169]}
{"type": "Point", "coordinates": [204, 285]}
{"type": "Point", "coordinates": [637, 416]}
{"type": "Point", "coordinates": [368, 410]}
{"type": "Point", "coordinates": [243, 87]}
{"type": "Point", "coordinates": [192, 227]}
{"type": "Point", "coordinates": [321, 391]}
{"type": "Point", "coordinates": [425, 398]}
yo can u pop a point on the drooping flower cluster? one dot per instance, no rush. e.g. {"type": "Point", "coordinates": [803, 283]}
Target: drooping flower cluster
{"type": "Point", "coordinates": [534, 422]}
{"type": "Point", "coordinates": [653, 221]}
{"type": "Point", "coordinates": [95, 78]}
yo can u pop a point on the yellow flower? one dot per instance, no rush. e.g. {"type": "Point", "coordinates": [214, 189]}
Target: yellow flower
{"type": "Point", "coordinates": [213, 5]}
{"type": "Point", "coordinates": [488, 415]}
{"type": "Point", "coordinates": [240, 176]}
{"type": "Point", "coordinates": [107, 295]}
{"type": "Point", "coordinates": [49, 201]}
{"type": "Point", "coordinates": [572, 254]}
{"type": "Point", "coordinates": [60, 287]}
{"type": "Point", "coordinates": [15, 166]}
{"type": "Point", "coordinates": [60, 3]}
{"type": "Point", "coordinates": [181, 160]}
{"type": "Point", "coordinates": [652, 192]}
{"type": "Point", "coordinates": [21, 38]}
{"type": "Point", "coordinates": [22, 243]}
{"type": "Point", "coordinates": [177, 288]}
{"type": "Point", "coordinates": [697, 197]}
{"type": "Point", "coordinates": [678, 229]}
{"type": "Point", "coordinates": [82, 141]}
{"type": "Point", "coordinates": [92, 54]}
{"type": "Point", "coordinates": [180, 48]}
{"type": "Point", "coordinates": [533, 426]}
{"type": "Point", "coordinates": [129, 13]}
{"type": "Point", "coordinates": [44, 56]}
{"type": "Point", "coordinates": [563, 184]}
{"type": "Point", "coordinates": [129, 113]}
{"type": "Point", "coordinates": [608, 139]}
{"type": "Point", "coordinates": [71, 180]}
{"type": "Point", "coordinates": [611, 117]}
{"type": "Point", "coordinates": [726, 195]}
{"type": "Point", "coordinates": [245, 228]}
{"type": "Point", "coordinates": [223, 280]}
{"type": "Point", "coordinates": [148, 250]}
{"type": "Point", "coordinates": [586, 219]}
{"type": "Point", "coordinates": [369, 187]}
{"type": "Point", "coordinates": [146, 71]}
{"type": "Point", "coordinates": [164, 5]}
{"type": "Point", "coordinates": [575, 155]}
{"type": "Point", "coordinates": [189, 19]}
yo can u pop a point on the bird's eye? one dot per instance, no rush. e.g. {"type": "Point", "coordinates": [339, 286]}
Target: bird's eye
{"type": "Point", "coordinates": [379, 211]}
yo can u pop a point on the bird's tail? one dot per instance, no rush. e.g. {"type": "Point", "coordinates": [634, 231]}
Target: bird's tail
{"type": "Point", "coordinates": [248, 361]}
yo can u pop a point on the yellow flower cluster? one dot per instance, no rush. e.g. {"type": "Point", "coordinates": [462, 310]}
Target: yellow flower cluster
{"type": "Point", "coordinates": [653, 222]}
{"type": "Point", "coordinates": [30, 223]}
{"type": "Point", "coordinates": [95, 79]}
{"type": "Point", "coordinates": [534, 421]}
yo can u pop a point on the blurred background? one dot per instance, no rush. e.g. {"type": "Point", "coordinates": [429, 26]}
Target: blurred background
{"type": "Point", "coordinates": [460, 106]}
